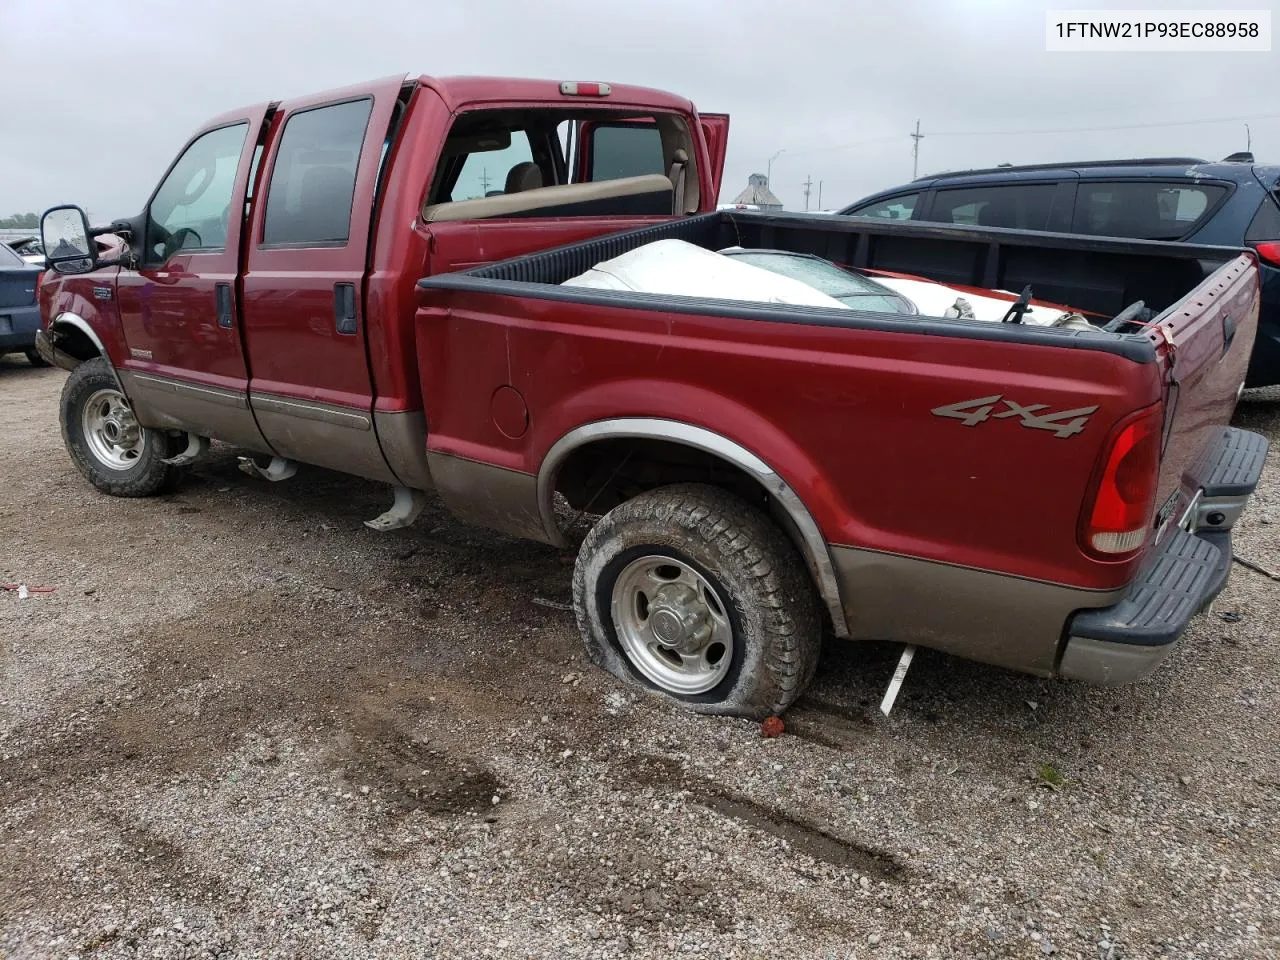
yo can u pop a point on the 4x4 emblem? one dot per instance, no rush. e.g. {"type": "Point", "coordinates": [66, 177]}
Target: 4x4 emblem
{"type": "Point", "coordinates": [1066, 423]}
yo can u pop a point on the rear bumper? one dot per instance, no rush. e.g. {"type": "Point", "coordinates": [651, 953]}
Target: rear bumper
{"type": "Point", "coordinates": [1126, 642]}
{"type": "Point", "coordinates": [18, 326]}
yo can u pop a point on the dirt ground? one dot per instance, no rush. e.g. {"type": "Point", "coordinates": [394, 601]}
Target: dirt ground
{"type": "Point", "coordinates": [244, 725]}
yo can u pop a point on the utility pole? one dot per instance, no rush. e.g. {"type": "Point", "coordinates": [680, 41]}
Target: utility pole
{"type": "Point", "coordinates": [768, 174]}
{"type": "Point", "coordinates": [484, 181]}
{"type": "Point", "coordinates": [915, 151]}
{"type": "Point", "coordinates": [1248, 139]}
{"type": "Point", "coordinates": [808, 184]}
{"type": "Point", "coordinates": [819, 194]}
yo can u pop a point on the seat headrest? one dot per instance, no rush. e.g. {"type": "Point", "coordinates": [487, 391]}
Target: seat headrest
{"type": "Point", "coordinates": [523, 176]}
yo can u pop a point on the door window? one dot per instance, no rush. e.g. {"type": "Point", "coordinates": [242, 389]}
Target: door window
{"type": "Point", "coordinates": [1018, 206]}
{"type": "Point", "coordinates": [191, 209]}
{"type": "Point", "coordinates": [313, 179]}
{"type": "Point", "coordinates": [619, 151]}
{"type": "Point", "coordinates": [1143, 210]}
{"type": "Point", "coordinates": [892, 208]}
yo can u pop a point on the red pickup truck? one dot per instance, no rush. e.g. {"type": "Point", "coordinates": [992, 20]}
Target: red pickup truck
{"type": "Point", "coordinates": [387, 281]}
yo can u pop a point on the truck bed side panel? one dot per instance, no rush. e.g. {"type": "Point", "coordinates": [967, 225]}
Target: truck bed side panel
{"type": "Point", "coordinates": [945, 464]}
{"type": "Point", "coordinates": [848, 417]}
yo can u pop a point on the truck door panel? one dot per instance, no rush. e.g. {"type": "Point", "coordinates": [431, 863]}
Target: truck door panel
{"type": "Point", "coordinates": [304, 282]}
{"type": "Point", "coordinates": [185, 366]}
{"type": "Point", "coordinates": [715, 131]}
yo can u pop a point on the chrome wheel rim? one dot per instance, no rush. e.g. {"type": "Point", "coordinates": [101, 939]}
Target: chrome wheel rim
{"type": "Point", "coordinates": [672, 624]}
{"type": "Point", "coordinates": [111, 430]}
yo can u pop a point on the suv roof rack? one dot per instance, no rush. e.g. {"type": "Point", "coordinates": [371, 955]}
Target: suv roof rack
{"type": "Point", "coordinates": [1007, 168]}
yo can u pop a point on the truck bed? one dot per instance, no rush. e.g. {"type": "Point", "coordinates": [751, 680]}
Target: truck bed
{"type": "Point", "coordinates": [1100, 275]}
{"type": "Point", "coordinates": [945, 464]}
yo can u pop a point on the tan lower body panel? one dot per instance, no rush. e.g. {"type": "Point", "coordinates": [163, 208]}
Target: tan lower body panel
{"type": "Point", "coordinates": [322, 434]}
{"type": "Point", "coordinates": [489, 496]}
{"type": "Point", "coordinates": [976, 614]}
{"type": "Point", "coordinates": [164, 403]}
{"type": "Point", "coordinates": [403, 437]}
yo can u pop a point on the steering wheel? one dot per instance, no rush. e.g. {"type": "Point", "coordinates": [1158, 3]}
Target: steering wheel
{"type": "Point", "coordinates": [173, 242]}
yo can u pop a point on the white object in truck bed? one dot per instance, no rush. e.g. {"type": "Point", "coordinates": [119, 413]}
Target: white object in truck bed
{"type": "Point", "coordinates": [684, 269]}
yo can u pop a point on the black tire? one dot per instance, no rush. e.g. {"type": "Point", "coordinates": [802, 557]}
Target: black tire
{"type": "Point", "coordinates": [148, 474]}
{"type": "Point", "coordinates": [769, 598]}
{"type": "Point", "coordinates": [34, 358]}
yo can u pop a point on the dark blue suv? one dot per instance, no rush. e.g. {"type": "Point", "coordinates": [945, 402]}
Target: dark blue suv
{"type": "Point", "coordinates": [1235, 202]}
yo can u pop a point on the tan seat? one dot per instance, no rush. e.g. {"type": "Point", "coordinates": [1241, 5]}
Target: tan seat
{"type": "Point", "coordinates": [523, 176]}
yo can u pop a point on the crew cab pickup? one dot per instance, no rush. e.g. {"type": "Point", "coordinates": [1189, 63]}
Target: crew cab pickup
{"type": "Point", "coordinates": [756, 473]}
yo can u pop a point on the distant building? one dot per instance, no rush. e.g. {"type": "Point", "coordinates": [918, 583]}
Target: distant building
{"type": "Point", "coordinates": [758, 194]}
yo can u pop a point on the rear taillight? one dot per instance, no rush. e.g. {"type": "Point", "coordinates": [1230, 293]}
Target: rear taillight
{"type": "Point", "coordinates": [1120, 516]}
{"type": "Point", "coordinates": [1269, 250]}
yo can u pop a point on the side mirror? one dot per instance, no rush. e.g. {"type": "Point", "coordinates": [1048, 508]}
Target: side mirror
{"type": "Point", "coordinates": [65, 236]}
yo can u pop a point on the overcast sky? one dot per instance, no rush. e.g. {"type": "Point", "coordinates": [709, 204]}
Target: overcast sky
{"type": "Point", "coordinates": [94, 103]}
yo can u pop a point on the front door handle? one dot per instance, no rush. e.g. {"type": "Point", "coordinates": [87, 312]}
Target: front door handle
{"type": "Point", "coordinates": [222, 299]}
{"type": "Point", "coordinates": [344, 307]}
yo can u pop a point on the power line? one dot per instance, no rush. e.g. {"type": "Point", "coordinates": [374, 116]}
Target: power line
{"type": "Point", "coordinates": [1123, 126]}
{"type": "Point", "coordinates": [1091, 111]}
{"type": "Point", "coordinates": [1018, 133]}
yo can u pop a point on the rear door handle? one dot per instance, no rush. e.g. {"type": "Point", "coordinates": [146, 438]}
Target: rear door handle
{"type": "Point", "coordinates": [344, 307]}
{"type": "Point", "coordinates": [222, 299]}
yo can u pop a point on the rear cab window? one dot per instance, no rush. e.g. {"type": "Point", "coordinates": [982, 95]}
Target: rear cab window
{"type": "Point", "coordinates": [506, 166]}
{"type": "Point", "coordinates": [1143, 209]}
{"type": "Point", "coordinates": [497, 154]}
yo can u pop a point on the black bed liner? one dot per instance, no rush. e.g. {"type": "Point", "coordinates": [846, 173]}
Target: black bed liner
{"type": "Point", "coordinates": [1089, 273]}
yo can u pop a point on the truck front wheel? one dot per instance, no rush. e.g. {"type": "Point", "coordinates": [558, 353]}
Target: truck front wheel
{"type": "Point", "coordinates": [108, 445]}
{"type": "Point", "coordinates": [690, 591]}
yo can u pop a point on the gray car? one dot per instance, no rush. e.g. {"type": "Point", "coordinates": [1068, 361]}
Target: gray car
{"type": "Point", "coordinates": [19, 311]}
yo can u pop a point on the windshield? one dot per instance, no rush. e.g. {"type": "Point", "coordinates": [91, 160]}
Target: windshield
{"type": "Point", "coordinates": [849, 288]}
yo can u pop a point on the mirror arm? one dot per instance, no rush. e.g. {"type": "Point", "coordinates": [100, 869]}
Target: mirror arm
{"type": "Point", "coordinates": [122, 228]}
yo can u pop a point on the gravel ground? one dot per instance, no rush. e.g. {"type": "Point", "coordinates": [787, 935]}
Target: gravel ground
{"type": "Point", "coordinates": [244, 725]}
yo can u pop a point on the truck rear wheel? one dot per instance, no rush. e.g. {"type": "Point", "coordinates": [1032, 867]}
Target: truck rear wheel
{"type": "Point", "coordinates": [690, 591]}
{"type": "Point", "coordinates": [108, 445]}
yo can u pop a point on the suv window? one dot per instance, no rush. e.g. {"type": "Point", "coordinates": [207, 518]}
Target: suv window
{"type": "Point", "coordinates": [619, 151]}
{"type": "Point", "coordinates": [1023, 206]}
{"type": "Point", "coordinates": [313, 179]}
{"type": "Point", "coordinates": [892, 208]}
{"type": "Point", "coordinates": [191, 208]}
{"type": "Point", "coordinates": [487, 173]}
{"type": "Point", "coordinates": [1266, 222]}
{"type": "Point", "coordinates": [1143, 210]}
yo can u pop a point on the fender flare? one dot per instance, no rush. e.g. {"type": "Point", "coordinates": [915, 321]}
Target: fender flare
{"type": "Point", "coordinates": [79, 323]}
{"type": "Point", "coordinates": [817, 556]}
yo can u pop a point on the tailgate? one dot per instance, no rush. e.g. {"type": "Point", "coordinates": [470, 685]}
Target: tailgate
{"type": "Point", "coordinates": [1204, 342]}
